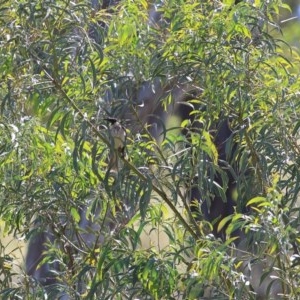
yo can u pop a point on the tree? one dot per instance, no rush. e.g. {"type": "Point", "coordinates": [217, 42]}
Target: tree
{"type": "Point", "coordinates": [66, 67]}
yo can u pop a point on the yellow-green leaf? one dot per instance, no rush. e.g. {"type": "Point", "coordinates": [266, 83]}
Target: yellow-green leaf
{"type": "Point", "coordinates": [75, 214]}
{"type": "Point", "coordinates": [256, 200]}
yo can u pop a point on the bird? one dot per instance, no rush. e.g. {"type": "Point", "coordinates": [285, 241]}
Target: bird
{"type": "Point", "coordinates": [117, 134]}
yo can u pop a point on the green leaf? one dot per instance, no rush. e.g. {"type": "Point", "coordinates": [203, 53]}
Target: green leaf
{"type": "Point", "coordinates": [223, 222]}
{"type": "Point", "coordinates": [296, 128]}
{"type": "Point", "coordinates": [75, 215]}
{"type": "Point", "coordinates": [229, 2]}
{"type": "Point", "coordinates": [209, 147]}
{"type": "Point", "coordinates": [256, 200]}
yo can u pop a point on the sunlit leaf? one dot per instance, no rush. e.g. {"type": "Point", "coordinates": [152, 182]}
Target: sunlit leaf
{"type": "Point", "coordinates": [256, 200]}
{"type": "Point", "coordinates": [75, 214]}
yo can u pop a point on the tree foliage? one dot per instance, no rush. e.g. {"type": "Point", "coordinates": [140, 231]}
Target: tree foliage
{"type": "Point", "coordinates": [66, 66]}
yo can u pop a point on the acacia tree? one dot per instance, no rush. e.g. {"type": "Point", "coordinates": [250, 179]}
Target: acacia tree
{"type": "Point", "coordinates": [66, 66]}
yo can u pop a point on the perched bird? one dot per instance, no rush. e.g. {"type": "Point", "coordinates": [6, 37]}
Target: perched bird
{"type": "Point", "coordinates": [117, 133]}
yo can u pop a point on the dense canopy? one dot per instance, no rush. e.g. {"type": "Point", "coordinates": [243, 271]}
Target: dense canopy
{"type": "Point", "coordinates": [68, 66]}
